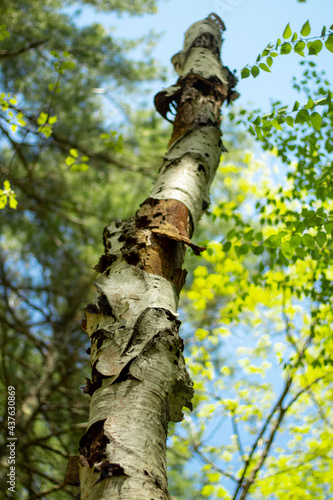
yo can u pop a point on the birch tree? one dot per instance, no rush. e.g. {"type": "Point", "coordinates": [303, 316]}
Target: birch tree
{"type": "Point", "coordinates": [139, 381]}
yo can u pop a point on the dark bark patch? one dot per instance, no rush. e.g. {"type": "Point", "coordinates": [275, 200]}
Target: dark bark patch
{"type": "Point", "coordinates": [130, 240]}
{"type": "Point", "coordinates": [100, 338]}
{"type": "Point", "coordinates": [104, 306]}
{"type": "Point", "coordinates": [88, 387]}
{"type": "Point", "coordinates": [109, 470]}
{"type": "Point", "coordinates": [93, 444]}
{"type": "Point", "coordinates": [132, 258]}
{"type": "Point", "coordinates": [104, 262]}
{"type": "Point", "coordinates": [142, 222]}
{"type": "Point", "coordinates": [92, 309]}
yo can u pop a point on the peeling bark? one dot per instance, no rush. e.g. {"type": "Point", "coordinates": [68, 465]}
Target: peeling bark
{"type": "Point", "coordinates": [139, 381]}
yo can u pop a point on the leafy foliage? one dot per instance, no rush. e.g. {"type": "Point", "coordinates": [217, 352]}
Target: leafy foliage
{"type": "Point", "coordinates": [297, 44]}
{"type": "Point", "coordinates": [260, 306]}
{"type": "Point", "coordinates": [53, 127]}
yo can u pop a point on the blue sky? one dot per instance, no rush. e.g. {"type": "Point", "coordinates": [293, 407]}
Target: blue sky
{"type": "Point", "coordinates": [251, 25]}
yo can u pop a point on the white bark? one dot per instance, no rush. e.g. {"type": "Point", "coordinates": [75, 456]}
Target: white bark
{"type": "Point", "coordinates": [189, 168]}
{"type": "Point", "coordinates": [139, 380]}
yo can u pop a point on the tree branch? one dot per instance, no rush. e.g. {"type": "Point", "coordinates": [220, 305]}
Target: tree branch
{"type": "Point", "coordinates": [32, 45]}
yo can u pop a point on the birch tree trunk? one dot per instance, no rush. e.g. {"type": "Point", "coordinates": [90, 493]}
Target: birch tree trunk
{"type": "Point", "coordinates": [139, 380]}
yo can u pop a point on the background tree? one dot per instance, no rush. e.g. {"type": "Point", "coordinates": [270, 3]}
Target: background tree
{"type": "Point", "coordinates": [53, 126]}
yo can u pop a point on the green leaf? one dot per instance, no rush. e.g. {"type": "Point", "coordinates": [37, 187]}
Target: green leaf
{"type": "Point", "coordinates": [295, 241]}
{"type": "Point", "coordinates": [265, 52]}
{"type": "Point", "coordinates": [300, 227]}
{"type": "Point", "coordinates": [259, 250]}
{"type": "Point", "coordinates": [254, 71]}
{"type": "Point", "coordinates": [74, 152]}
{"type": "Point", "coordinates": [329, 43]}
{"type": "Point", "coordinates": [42, 118]}
{"type": "Point", "coordinates": [69, 160]}
{"type": "Point", "coordinates": [285, 48]}
{"type": "Point", "coordinates": [12, 201]}
{"type": "Point", "coordinates": [82, 167]}
{"type": "Point", "coordinates": [315, 47]}
{"type": "Point", "coordinates": [287, 250]}
{"type": "Point", "coordinates": [258, 236]}
{"type": "Point", "coordinates": [310, 104]}
{"type": "Point", "coordinates": [237, 250]}
{"type": "Point", "coordinates": [316, 120]}
{"type": "Point", "coordinates": [52, 119]}
{"type": "Point", "coordinates": [231, 234]}
{"type": "Point", "coordinates": [308, 241]}
{"type": "Point", "coordinates": [300, 251]}
{"type": "Point", "coordinates": [275, 239]}
{"type": "Point", "coordinates": [3, 201]}
{"type": "Point", "coordinates": [245, 73]}
{"type": "Point", "coordinates": [323, 31]}
{"type": "Point", "coordinates": [290, 121]}
{"type": "Point", "coordinates": [68, 65]}
{"type": "Point", "coordinates": [302, 116]}
{"type": "Point", "coordinates": [243, 250]}
{"type": "Point", "coordinates": [294, 38]}
{"type": "Point", "coordinates": [315, 254]}
{"type": "Point", "coordinates": [321, 238]}
{"type": "Point", "coordinates": [269, 61]}
{"type": "Point", "coordinates": [248, 236]}
{"type": "Point", "coordinates": [276, 124]}
{"type": "Point", "coordinates": [296, 106]}
{"type": "Point", "coordinates": [306, 29]}
{"type": "Point", "coordinates": [328, 227]}
{"type": "Point", "coordinates": [264, 67]}
{"type": "Point", "coordinates": [259, 133]}
{"type": "Point", "coordinates": [3, 32]}
{"type": "Point", "coordinates": [299, 47]}
{"type": "Point", "coordinates": [226, 246]}
{"type": "Point", "coordinates": [287, 32]}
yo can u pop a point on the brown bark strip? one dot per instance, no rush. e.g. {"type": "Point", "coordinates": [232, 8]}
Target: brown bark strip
{"type": "Point", "coordinates": [198, 104]}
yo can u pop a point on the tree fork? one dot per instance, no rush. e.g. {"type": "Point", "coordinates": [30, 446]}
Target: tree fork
{"type": "Point", "coordinates": [139, 380]}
